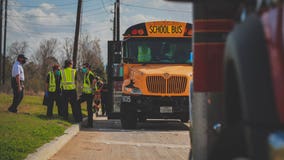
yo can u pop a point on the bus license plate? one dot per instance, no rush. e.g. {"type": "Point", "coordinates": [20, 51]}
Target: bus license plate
{"type": "Point", "coordinates": [166, 109]}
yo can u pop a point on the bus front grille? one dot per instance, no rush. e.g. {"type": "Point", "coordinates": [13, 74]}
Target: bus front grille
{"type": "Point", "coordinates": [172, 85]}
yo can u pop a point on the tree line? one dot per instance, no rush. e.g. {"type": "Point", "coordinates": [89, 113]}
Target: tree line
{"type": "Point", "coordinates": [49, 52]}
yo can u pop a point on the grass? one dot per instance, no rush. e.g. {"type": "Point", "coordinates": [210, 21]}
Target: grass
{"type": "Point", "coordinates": [24, 132]}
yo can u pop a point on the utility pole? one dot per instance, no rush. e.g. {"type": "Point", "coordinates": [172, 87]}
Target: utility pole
{"type": "Point", "coordinates": [1, 29]}
{"type": "Point", "coordinates": [5, 37]}
{"type": "Point", "coordinates": [77, 30]}
{"type": "Point", "coordinates": [118, 20]}
{"type": "Point", "coordinates": [114, 21]}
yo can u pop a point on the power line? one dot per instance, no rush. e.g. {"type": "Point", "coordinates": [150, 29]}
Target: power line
{"type": "Point", "coordinates": [56, 5]}
{"type": "Point", "coordinates": [104, 6]}
{"type": "Point", "coordinates": [43, 24]}
{"type": "Point", "coordinates": [38, 16]}
{"type": "Point", "coordinates": [60, 5]}
{"type": "Point", "coordinates": [29, 22]}
{"type": "Point", "coordinates": [153, 8]}
{"type": "Point", "coordinates": [18, 26]}
{"type": "Point", "coordinates": [93, 14]}
{"type": "Point", "coordinates": [60, 15]}
{"type": "Point", "coordinates": [30, 34]}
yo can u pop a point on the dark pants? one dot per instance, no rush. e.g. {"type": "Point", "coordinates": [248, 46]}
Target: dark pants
{"type": "Point", "coordinates": [89, 99]}
{"type": "Point", "coordinates": [104, 102]}
{"type": "Point", "coordinates": [71, 97]}
{"type": "Point", "coordinates": [53, 96]}
{"type": "Point", "coordinates": [18, 96]}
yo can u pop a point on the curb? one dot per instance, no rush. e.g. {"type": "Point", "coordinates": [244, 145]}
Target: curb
{"type": "Point", "coordinates": [47, 150]}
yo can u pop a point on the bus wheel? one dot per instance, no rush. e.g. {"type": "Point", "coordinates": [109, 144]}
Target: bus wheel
{"type": "Point", "coordinates": [128, 116]}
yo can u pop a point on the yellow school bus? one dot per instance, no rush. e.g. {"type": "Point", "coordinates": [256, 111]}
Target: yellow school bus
{"type": "Point", "coordinates": [157, 70]}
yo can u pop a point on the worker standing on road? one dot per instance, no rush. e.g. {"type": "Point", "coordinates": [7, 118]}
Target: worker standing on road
{"type": "Point", "coordinates": [104, 99]}
{"type": "Point", "coordinates": [53, 91]}
{"type": "Point", "coordinates": [69, 93]}
{"type": "Point", "coordinates": [88, 92]}
{"type": "Point", "coordinates": [17, 82]}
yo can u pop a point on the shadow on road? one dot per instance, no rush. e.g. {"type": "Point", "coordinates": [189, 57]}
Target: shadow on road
{"type": "Point", "coordinates": [114, 125]}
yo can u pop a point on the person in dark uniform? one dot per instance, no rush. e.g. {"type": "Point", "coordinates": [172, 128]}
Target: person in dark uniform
{"type": "Point", "coordinates": [17, 82]}
{"type": "Point", "coordinates": [69, 93]}
{"type": "Point", "coordinates": [104, 99]}
{"type": "Point", "coordinates": [53, 91]}
{"type": "Point", "coordinates": [87, 93]}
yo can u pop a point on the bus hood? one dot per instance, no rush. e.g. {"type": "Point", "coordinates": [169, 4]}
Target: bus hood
{"type": "Point", "coordinates": [171, 69]}
{"type": "Point", "coordinates": [157, 79]}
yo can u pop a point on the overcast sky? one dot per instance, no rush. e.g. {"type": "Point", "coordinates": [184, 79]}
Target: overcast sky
{"type": "Point", "coordinates": [35, 20]}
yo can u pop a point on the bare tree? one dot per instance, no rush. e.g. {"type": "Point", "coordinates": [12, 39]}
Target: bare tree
{"type": "Point", "coordinates": [17, 48]}
{"type": "Point", "coordinates": [45, 55]}
{"type": "Point", "coordinates": [84, 55]}
{"type": "Point", "coordinates": [34, 84]}
{"type": "Point", "coordinates": [89, 51]}
{"type": "Point", "coordinates": [67, 49]}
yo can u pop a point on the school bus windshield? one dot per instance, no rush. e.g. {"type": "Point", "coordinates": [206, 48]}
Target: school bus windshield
{"type": "Point", "coordinates": [158, 50]}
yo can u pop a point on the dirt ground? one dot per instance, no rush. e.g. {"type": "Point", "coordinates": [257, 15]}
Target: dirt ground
{"type": "Point", "coordinates": [155, 139]}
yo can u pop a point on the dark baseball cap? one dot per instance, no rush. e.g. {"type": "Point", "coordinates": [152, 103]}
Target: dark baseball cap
{"type": "Point", "coordinates": [22, 56]}
{"type": "Point", "coordinates": [55, 66]}
{"type": "Point", "coordinates": [87, 65]}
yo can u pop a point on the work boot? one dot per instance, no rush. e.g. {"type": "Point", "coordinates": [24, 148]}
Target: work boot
{"type": "Point", "coordinates": [12, 110]}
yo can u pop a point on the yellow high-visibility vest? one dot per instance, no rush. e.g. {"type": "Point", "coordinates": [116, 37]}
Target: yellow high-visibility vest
{"type": "Point", "coordinates": [98, 84]}
{"type": "Point", "coordinates": [68, 79]}
{"type": "Point", "coordinates": [52, 83]}
{"type": "Point", "coordinates": [87, 85]}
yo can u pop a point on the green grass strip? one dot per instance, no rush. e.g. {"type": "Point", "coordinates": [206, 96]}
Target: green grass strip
{"type": "Point", "coordinates": [24, 132]}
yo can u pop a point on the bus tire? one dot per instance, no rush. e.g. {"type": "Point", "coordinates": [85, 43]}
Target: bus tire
{"type": "Point", "coordinates": [248, 94]}
{"type": "Point", "coordinates": [128, 116]}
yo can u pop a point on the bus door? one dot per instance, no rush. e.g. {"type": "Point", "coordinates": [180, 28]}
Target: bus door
{"type": "Point", "coordinates": [115, 79]}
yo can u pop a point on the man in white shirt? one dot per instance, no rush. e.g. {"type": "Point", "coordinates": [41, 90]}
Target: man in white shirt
{"type": "Point", "coordinates": [17, 81]}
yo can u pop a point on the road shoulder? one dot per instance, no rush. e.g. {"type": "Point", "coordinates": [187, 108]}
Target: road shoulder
{"type": "Point", "coordinates": [46, 151]}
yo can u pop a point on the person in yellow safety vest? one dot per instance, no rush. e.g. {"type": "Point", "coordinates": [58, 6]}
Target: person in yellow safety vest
{"type": "Point", "coordinates": [53, 91]}
{"type": "Point", "coordinates": [88, 92]}
{"type": "Point", "coordinates": [69, 93]}
{"type": "Point", "coordinates": [144, 53]}
{"type": "Point", "coordinates": [97, 97]}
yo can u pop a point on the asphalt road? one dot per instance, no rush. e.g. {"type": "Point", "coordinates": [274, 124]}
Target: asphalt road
{"type": "Point", "coordinates": [155, 139]}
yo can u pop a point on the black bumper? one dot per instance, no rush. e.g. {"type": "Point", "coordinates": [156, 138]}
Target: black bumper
{"type": "Point", "coordinates": [150, 105]}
